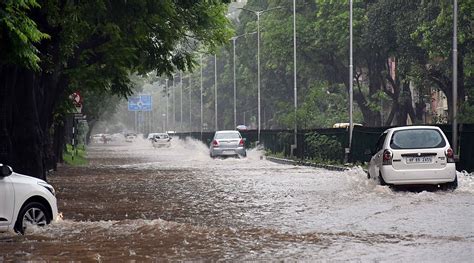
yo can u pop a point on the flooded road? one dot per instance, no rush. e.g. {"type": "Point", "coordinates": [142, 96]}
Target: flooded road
{"type": "Point", "coordinates": [134, 202]}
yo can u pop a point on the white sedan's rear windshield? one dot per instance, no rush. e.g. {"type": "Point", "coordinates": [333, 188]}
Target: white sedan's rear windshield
{"type": "Point", "coordinates": [417, 139]}
{"type": "Point", "coordinates": [228, 135]}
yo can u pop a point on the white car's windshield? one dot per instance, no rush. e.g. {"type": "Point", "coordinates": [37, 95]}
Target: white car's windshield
{"type": "Point", "coordinates": [417, 139]}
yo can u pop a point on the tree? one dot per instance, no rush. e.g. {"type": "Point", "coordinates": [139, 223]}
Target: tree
{"type": "Point", "coordinates": [91, 45]}
{"type": "Point", "coordinates": [434, 34]}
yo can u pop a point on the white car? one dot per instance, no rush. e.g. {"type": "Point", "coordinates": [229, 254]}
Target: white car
{"type": "Point", "coordinates": [413, 155]}
{"type": "Point", "coordinates": [227, 143]}
{"type": "Point", "coordinates": [161, 140]}
{"type": "Point", "coordinates": [25, 201]}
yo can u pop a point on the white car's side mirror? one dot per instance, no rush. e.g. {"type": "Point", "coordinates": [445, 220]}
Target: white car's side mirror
{"type": "Point", "coordinates": [5, 170]}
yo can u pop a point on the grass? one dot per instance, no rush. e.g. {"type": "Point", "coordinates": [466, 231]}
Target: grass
{"type": "Point", "coordinates": [76, 157]}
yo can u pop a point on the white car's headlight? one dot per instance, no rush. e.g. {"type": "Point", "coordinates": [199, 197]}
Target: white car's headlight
{"type": "Point", "coordinates": [49, 187]}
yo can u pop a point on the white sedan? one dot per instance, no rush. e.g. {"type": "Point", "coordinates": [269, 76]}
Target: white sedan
{"type": "Point", "coordinates": [161, 140]}
{"type": "Point", "coordinates": [413, 155]}
{"type": "Point", "coordinates": [25, 201]}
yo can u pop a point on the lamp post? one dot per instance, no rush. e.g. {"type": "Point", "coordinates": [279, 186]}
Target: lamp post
{"type": "Point", "coordinates": [235, 103]}
{"type": "Point", "coordinates": [294, 76]}
{"type": "Point", "coordinates": [174, 105]}
{"type": "Point", "coordinates": [201, 93]}
{"type": "Point", "coordinates": [167, 99]}
{"type": "Point", "coordinates": [181, 101]}
{"type": "Point", "coordinates": [351, 77]}
{"type": "Point", "coordinates": [258, 13]}
{"type": "Point", "coordinates": [455, 79]}
{"type": "Point", "coordinates": [215, 91]}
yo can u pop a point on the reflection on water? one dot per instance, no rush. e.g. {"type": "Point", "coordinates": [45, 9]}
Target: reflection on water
{"type": "Point", "coordinates": [135, 202]}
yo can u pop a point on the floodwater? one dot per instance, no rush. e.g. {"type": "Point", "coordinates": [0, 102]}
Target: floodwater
{"type": "Point", "coordinates": [137, 203]}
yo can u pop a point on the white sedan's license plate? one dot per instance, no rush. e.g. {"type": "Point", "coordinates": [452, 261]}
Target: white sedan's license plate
{"type": "Point", "coordinates": [423, 159]}
{"type": "Point", "coordinates": [228, 152]}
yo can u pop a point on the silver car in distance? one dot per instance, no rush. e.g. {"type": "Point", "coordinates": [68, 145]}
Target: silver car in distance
{"type": "Point", "coordinates": [227, 143]}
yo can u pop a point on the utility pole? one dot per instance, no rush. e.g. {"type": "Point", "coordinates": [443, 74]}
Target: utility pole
{"type": "Point", "coordinates": [351, 80]}
{"type": "Point", "coordinates": [167, 102]}
{"type": "Point", "coordinates": [181, 104]}
{"type": "Point", "coordinates": [215, 91]}
{"type": "Point", "coordinates": [174, 106]}
{"type": "Point", "coordinates": [258, 13]}
{"type": "Point", "coordinates": [235, 95]}
{"type": "Point", "coordinates": [201, 94]}
{"type": "Point", "coordinates": [295, 95]}
{"type": "Point", "coordinates": [455, 80]}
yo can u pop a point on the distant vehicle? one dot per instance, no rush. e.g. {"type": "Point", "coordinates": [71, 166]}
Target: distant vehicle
{"type": "Point", "coordinates": [161, 140]}
{"type": "Point", "coordinates": [413, 155]}
{"type": "Point", "coordinates": [25, 201]}
{"type": "Point", "coordinates": [227, 143]}
{"type": "Point", "coordinates": [345, 125]}
{"type": "Point", "coordinates": [242, 127]}
{"type": "Point", "coordinates": [130, 137]}
{"type": "Point", "coordinates": [97, 138]}
{"type": "Point", "coordinates": [151, 135]}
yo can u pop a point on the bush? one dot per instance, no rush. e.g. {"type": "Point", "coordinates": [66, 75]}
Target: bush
{"type": "Point", "coordinates": [75, 157]}
{"type": "Point", "coordinates": [323, 147]}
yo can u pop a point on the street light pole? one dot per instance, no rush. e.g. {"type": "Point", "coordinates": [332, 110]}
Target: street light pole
{"type": "Point", "coordinates": [257, 13]}
{"type": "Point", "coordinates": [201, 94]}
{"type": "Point", "coordinates": [351, 77]}
{"type": "Point", "coordinates": [455, 79]}
{"type": "Point", "coordinates": [258, 75]}
{"type": "Point", "coordinates": [167, 99]}
{"type": "Point", "coordinates": [174, 106]}
{"type": "Point", "coordinates": [235, 101]}
{"type": "Point", "coordinates": [294, 76]}
{"type": "Point", "coordinates": [215, 90]}
{"type": "Point", "coordinates": [181, 103]}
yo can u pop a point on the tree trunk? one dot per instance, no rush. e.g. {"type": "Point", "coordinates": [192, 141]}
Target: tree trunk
{"type": "Point", "coordinates": [7, 82]}
{"type": "Point", "coordinates": [58, 143]}
{"type": "Point", "coordinates": [27, 136]}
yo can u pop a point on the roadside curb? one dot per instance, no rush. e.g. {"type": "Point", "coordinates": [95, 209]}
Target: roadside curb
{"type": "Point", "coordinates": [304, 163]}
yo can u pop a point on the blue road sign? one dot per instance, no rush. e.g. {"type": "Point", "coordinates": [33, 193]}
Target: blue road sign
{"type": "Point", "coordinates": [140, 103]}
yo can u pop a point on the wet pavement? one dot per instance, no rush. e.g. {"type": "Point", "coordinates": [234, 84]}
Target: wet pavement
{"type": "Point", "coordinates": [135, 202]}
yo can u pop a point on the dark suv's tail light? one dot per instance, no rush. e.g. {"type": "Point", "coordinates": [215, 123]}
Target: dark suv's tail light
{"type": "Point", "coordinates": [215, 143]}
{"type": "Point", "coordinates": [387, 157]}
{"type": "Point", "coordinates": [241, 143]}
{"type": "Point", "coordinates": [449, 155]}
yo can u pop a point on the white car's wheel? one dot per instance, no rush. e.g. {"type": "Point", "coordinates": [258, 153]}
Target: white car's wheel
{"type": "Point", "coordinates": [452, 185]}
{"type": "Point", "coordinates": [381, 180]}
{"type": "Point", "coordinates": [33, 213]}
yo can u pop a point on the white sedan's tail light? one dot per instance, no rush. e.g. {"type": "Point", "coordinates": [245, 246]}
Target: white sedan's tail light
{"type": "Point", "coordinates": [215, 143]}
{"type": "Point", "coordinates": [387, 157]}
{"type": "Point", "coordinates": [449, 155]}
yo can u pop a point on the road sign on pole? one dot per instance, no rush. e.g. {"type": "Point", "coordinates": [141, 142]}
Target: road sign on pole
{"type": "Point", "coordinates": [140, 103]}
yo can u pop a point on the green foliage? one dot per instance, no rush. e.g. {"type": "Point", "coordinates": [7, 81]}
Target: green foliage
{"type": "Point", "coordinates": [19, 33]}
{"type": "Point", "coordinates": [321, 108]}
{"type": "Point", "coordinates": [75, 157]}
{"type": "Point", "coordinates": [323, 147]}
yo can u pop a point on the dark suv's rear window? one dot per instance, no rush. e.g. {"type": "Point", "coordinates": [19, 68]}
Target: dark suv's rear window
{"type": "Point", "coordinates": [417, 139]}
